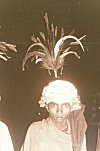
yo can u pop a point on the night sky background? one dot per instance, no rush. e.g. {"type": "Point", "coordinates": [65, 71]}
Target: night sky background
{"type": "Point", "coordinates": [21, 90]}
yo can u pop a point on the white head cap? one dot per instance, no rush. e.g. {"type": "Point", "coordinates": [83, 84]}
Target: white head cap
{"type": "Point", "coordinates": [60, 91]}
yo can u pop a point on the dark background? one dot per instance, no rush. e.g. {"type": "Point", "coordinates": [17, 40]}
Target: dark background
{"type": "Point", "coordinates": [21, 90]}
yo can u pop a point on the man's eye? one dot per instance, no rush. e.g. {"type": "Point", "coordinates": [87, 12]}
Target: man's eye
{"type": "Point", "coordinates": [52, 105]}
{"type": "Point", "coordinates": [66, 104]}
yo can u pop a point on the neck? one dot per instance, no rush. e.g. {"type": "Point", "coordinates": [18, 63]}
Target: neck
{"type": "Point", "coordinates": [67, 128]}
{"type": "Point", "coordinates": [63, 126]}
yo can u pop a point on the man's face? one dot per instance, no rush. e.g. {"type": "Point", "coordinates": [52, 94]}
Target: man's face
{"type": "Point", "coordinates": [59, 113]}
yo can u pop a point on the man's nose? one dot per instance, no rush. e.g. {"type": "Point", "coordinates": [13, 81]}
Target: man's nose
{"type": "Point", "coordinates": [59, 109]}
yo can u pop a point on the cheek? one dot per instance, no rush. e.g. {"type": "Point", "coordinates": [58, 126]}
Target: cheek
{"type": "Point", "coordinates": [52, 113]}
{"type": "Point", "coordinates": [67, 114]}
{"type": "Point", "coordinates": [67, 109]}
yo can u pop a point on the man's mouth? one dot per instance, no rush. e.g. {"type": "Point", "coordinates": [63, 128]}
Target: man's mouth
{"type": "Point", "coordinates": [59, 118]}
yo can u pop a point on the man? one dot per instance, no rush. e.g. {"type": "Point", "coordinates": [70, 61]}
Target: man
{"type": "Point", "coordinates": [64, 129]}
{"type": "Point", "coordinates": [5, 138]}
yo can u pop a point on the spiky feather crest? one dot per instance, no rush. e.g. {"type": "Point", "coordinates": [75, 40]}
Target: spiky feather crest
{"type": "Point", "coordinates": [4, 50]}
{"type": "Point", "coordinates": [49, 51]}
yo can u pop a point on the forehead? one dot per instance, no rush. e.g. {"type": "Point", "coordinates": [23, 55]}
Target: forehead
{"type": "Point", "coordinates": [65, 103]}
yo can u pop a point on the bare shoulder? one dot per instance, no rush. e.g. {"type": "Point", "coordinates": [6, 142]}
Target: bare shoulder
{"type": "Point", "coordinates": [37, 125]}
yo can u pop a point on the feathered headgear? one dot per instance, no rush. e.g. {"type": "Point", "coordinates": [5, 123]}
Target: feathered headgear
{"type": "Point", "coordinates": [50, 52]}
{"type": "Point", "coordinates": [4, 50]}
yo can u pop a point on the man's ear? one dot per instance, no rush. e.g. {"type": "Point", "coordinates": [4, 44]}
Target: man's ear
{"type": "Point", "coordinates": [46, 106]}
